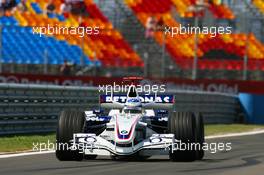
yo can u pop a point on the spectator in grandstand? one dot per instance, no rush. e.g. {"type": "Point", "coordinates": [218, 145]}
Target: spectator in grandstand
{"type": "Point", "coordinates": [199, 6]}
{"type": "Point", "coordinates": [65, 9]}
{"type": "Point", "coordinates": [81, 22]}
{"type": "Point", "coordinates": [65, 69]}
{"type": "Point", "coordinates": [150, 27]}
{"type": "Point", "coordinates": [210, 2]}
{"type": "Point", "coordinates": [50, 8]}
{"type": "Point", "coordinates": [199, 9]}
{"type": "Point", "coordinates": [22, 7]}
{"type": "Point", "coordinates": [2, 11]}
{"type": "Point", "coordinates": [78, 7]}
{"type": "Point", "coordinates": [160, 24]}
{"type": "Point", "coordinates": [12, 3]}
{"type": "Point", "coordinates": [7, 7]}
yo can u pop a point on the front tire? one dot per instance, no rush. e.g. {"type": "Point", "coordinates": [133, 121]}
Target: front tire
{"type": "Point", "coordinates": [69, 122]}
{"type": "Point", "coordinates": [199, 138]}
{"type": "Point", "coordinates": [182, 125]}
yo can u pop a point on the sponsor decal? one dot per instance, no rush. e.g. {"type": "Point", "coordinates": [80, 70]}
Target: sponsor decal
{"type": "Point", "coordinates": [143, 98]}
{"type": "Point", "coordinates": [86, 138]}
{"type": "Point", "coordinates": [133, 100]}
{"type": "Point", "coordinates": [224, 86]}
{"type": "Point", "coordinates": [90, 139]}
{"type": "Point", "coordinates": [155, 140]}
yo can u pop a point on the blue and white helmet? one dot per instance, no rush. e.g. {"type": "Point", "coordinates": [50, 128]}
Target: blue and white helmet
{"type": "Point", "coordinates": [133, 102]}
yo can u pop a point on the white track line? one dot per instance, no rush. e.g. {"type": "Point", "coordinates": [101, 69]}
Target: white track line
{"type": "Point", "coordinates": [24, 154]}
{"type": "Point", "coordinates": [207, 137]}
{"type": "Point", "coordinates": [236, 134]}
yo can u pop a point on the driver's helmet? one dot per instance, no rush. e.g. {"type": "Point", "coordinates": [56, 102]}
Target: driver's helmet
{"type": "Point", "coordinates": [133, 102]}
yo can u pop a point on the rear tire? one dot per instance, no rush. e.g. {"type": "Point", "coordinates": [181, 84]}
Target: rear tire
{"type": "Point", "coordinates": [69, 122]}
{"type": "Point", "coordinates": [182, 125]}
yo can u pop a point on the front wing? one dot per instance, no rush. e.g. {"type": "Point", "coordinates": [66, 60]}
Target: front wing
{"type": "Point", "coordinates": [96, 145]}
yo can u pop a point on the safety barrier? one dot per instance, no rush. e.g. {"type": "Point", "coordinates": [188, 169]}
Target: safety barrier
{"type": "Point", "coordinates": [215, 107]}
{"type": "Point", "coordinates": [35, 108]}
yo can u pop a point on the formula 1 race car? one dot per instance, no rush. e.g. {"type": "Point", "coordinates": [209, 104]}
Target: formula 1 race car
{"type": "Point", "coordinates": [137, 126]}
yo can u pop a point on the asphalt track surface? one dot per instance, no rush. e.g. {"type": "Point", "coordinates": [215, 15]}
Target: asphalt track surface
{"type": "Point", "coordinates": [245, 158]}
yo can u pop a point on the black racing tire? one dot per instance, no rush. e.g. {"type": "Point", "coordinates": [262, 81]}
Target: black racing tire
{"type": "Point", "coordinates": [182, 125]}
{"type": "Point", "coordinates": [69, 122]}
{"type": "Point", "coordinates": [199, 138]}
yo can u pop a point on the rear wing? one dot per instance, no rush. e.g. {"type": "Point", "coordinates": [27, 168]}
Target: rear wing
{"type": "Point", "coordinates": [148, 101]}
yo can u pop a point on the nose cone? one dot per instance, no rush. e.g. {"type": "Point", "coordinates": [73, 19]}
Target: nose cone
{"type": "Point", "coordinates": [125, 128]}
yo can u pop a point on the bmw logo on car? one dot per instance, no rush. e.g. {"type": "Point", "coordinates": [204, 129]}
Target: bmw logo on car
{"type": "Point", "coordinates": [124, 132]}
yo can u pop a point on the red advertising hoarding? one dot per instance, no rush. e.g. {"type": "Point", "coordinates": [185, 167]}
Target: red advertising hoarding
{"type": "Point", "coordinates": [226, 86]}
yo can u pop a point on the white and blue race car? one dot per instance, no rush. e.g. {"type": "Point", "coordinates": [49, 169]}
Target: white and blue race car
{"type": "Point", "coordinates": [137, 126]}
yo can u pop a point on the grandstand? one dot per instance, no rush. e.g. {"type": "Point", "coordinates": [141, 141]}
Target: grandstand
{"type": "Point", "coordinates": [225, 52]}
{"type": "Point", "coordinates": [108, 49]}
{"type": "Point", "coordinates": [121, 43]}
{"type": "Point", "coordinates": [181, 47]}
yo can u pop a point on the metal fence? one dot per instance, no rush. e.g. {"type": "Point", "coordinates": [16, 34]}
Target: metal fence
{"type": "Point", "coordinates": [35, 108]}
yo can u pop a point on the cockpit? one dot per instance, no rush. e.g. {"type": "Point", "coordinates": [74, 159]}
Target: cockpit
{"type": "Point", "coordinates": [132, 111]}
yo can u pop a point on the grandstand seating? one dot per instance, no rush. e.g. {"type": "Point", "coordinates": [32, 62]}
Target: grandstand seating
{"type": "Point", "coordinates": [182, 6]}
{"type": "Point", "coordinates": [110, 49]}
{"type": "Point", "coordinates": [21, 46]}
{"type": "Point", "coordinates": [259, 4]}
{"type": "Point", "coordinates": [108, 46]}
{"type": "Point", "coordinates": [181, 46]}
